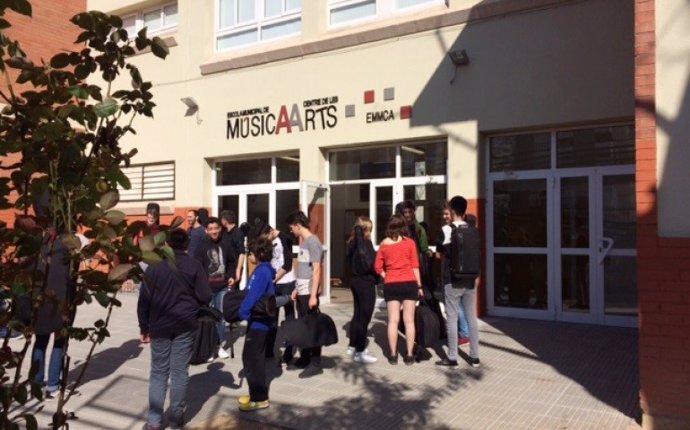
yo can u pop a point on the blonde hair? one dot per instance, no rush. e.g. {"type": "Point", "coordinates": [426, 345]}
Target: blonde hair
{"type": "Point", "coordinates": [365, 223]}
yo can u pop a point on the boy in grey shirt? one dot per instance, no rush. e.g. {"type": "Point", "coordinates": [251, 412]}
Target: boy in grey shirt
{"type": "Point", "coordinates": [307, 286]}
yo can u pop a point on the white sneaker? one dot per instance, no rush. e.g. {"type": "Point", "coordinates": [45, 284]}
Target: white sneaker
{"type": "Point", "coordinates": [364, 357]}
{"type": "Point", "coordinates": [222, 354]}
{"type": "Point", "coordinates": [350, 351]}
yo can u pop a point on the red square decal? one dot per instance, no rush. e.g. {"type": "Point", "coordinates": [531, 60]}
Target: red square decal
{"type": "Point", "coordinates": [369, 96]}
{"type": "Point", "coordinates": [406, 112]}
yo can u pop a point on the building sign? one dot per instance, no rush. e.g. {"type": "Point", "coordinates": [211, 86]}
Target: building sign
{"type": "Point", "coordinates": [312, 114]}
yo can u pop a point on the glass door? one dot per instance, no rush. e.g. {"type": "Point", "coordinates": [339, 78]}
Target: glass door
{"type": "Point", "coordinates": [382, 202]}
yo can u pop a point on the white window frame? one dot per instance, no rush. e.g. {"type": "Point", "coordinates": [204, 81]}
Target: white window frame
{"type": "Point", "coordinates": [384, 9]}
{"type": "Point", "coordinates": [150, 181]}
{"type": "Point", "coordinates": [258, 23]}
{"type": "Point", "coordinates": [139, 20]}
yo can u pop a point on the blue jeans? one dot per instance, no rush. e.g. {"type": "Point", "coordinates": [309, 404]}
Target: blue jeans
{"type": "Point", "coordinates": [169, 359]}
{"type": "Point", "coordinates": [463, 327]}
{"type": "Point", "coordinates": [217, 302]}
{"type": "Point", "coordinates": [55, 364]}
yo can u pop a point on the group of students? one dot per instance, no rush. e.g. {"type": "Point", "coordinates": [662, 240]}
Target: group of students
{"type": "Point", "coordinates": [206, 267]}
{"type": "Point", "coordinates": [210, 255]}
{"type": "Point", "coordinates": [402, 263]}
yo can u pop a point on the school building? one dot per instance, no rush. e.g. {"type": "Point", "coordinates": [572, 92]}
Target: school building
{"type": "Point", "coordinates": [564, 122]}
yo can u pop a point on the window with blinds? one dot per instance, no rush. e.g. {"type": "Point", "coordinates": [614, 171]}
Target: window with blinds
{"type": "Point", "coordinates": [154, 181]}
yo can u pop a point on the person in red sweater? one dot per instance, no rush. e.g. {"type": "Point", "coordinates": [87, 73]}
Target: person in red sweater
{"type": "Point", "coordinates": [398, 264]}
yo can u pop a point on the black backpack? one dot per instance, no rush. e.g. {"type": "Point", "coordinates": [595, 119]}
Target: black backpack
{"type": "Point", "coordinates": [465, 253]}
{"type": "Point", "coordinates": [206, 339]}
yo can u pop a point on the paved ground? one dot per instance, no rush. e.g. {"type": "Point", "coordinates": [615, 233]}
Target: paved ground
{"type": "Point", "coordinates": [534, 375]}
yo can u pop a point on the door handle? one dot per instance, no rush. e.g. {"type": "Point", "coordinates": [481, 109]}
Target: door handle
{"type": "Point", "coordinates": [604, 248]}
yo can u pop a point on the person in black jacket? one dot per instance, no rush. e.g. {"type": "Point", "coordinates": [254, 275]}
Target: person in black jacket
{"type": "Point", "coordinates": [167, 311]}
{"type": "Point", "coordinates": [218, 258]}
{"type": "Point", "coordinates": [361, 255]}
{"type": "Point", "coordinates": [236, 237]}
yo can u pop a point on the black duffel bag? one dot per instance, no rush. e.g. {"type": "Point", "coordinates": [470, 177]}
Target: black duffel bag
{"type": "Point", "coordinates": [264, 309]}
{"type": "Point", "coordinates": [312, 330]}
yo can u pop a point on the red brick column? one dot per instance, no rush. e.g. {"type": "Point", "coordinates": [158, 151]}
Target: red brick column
{"type": "Point", "coordinates": [663, 263]}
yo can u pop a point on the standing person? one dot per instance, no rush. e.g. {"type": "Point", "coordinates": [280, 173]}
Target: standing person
{"type": "Point", "coordinates": [284, 280]}
{"type": "Point", "coordinates": [361, 255]}
{"type": "Point", "coordinates": [398, 264]}
{"type": "Point", "coordinates": [256, 341]}
{"type": "Point", "coordinates": [236, 237]}
{"type": "Point", "coordinates": [307, 285]}
{"type": "Point", "coordinates": [196, 231]}
{"type": "Point", "coordinates": [418, 234]}
{"type": "Point", "coordinates": [463, 327]}
{"type": "Point", "coordinates": [167, 315]}
{"type": "Point", "coordinates": [457, 292]}
{"type": "Point", "coordinates": [218, 258]}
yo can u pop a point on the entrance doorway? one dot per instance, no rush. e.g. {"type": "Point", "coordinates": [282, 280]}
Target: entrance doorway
{"type": "Point", "coordinates": [562, 242]}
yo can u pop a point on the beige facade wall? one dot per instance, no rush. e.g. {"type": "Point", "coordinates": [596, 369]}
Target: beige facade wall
{"type": "Point", "coordinates": [566, 64]}
{"type": "Point", "coordinates": [673, 116]}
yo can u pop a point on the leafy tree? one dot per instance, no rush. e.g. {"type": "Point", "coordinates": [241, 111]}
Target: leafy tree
{"type": "Point", "coordinates": [65, 134]}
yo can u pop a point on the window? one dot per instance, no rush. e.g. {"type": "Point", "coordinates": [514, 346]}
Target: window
{"type": "Point", "coordinates": [348, 11]}
{"type": "Point", "coordinates": [243, 22]}
{"type": "Point", "coordinates": [158, 20]}
{"type": "Point", "coordinates": [155, 181]}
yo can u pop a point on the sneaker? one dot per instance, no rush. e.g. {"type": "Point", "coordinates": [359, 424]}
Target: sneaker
{"type": "Point", "coordinates": [474, 362]}
{"type": "Point", "coordinates": [211, 358]}
{"type": "Point", "coordinates": [244, 400]}
{"type": "Point", "coordinates": [364, 357]}
{"type": "Point", "coordinates": [462, 341]}
{"type": "Point", "coordinates": [310, 371]}
{"type": "Point", "coordinates": [50, 395]}
{"type": "Point", "coordinates": [408, 360]}
{"type": "Point", "coordinates": [253, 406]}
{"type": "Point", "coordinates": [350, 351]}
{"type": "Point", "coordinates": [447, 362]}
{"type": "Point", "coordinates": [223, 353]}
{"type": "Point", "coordinates": [393, 359]}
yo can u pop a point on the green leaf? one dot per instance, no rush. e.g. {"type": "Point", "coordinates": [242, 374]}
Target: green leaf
{"type": "Point", "coordinates": [78, 92]}
{"type": "Point", "coordinates": [106, 108]}
{"type": "Point", "coordinates": [120, 272]}
{"type": "Point", "coordinates": [83, 20]}
{"type": "Point", "coordinates": [102, 298]}
{"type": "Point", "coordinates": [160, 238]}
{"type": "Point", "coordinates": [177, 221]}
{"type": "Point", "coordinates": [109, 199]}
{"type": "Point", "coordinates": [115, 21]}
{"type": "Point", "coordinates": [159, 48]}
{"type": "Point", "coordinates": [65, 111]}
{"type": "Point", "coordinates": [115, 217]}
{"type": "Point", "coordinates": [151, 257]}
{"type": "Point", "coordinates": [123, 180]}
{"type": "Point", "coordinates": [147, 244]}
{"type": "Point", "coordinates": [168, 253]}
{"type": "Point", "coordinates": [21, 6]}
{"type": "Point", "coordinates": [70, 241]}
{"type": "Point", "coordinates": [60, 60]}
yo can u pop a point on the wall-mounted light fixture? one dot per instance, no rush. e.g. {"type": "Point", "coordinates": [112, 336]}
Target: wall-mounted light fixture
{"type": "Point", "coordinates": [192, 108]}
{"type": "Point", "coordinates": [458, 58]}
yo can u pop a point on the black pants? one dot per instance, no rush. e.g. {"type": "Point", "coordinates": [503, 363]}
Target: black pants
{"type": "Point", "coordinates": [364, 295]}
{"type": "Point", "coordinates": [254, 362]}
{"type": "Point", "coordinates": [312, 354]}
{"type": "Point", "coordinates": [282, 290]}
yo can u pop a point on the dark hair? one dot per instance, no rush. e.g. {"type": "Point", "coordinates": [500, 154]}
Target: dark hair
{"type": "Point", "coordinates": [471, 220]}
{"type": "Point", "coordinates": [203, 216]}
{"type": "Point", "coordinates": [396, 227]}
{"type": "Point", "coordinates": [399, 209]}
{"type": "Point", "coordinates": [409, 204]}
{"type": "Point", "coordinates": [153, 209]}
{"type": "Point", "coordinates": [178, 239]}
{"type": "Point", "coordinates": [298, 217]}
{"type": "Point", "coordinates": [212, 220]}
{"type": "Point", "coordinates": [265, 230]}
{"type": "Point", "coordinates": [458, 205]}
{"type": "Point", "coordinates": [262, 249]}
{"type": "Point", "coordinates": [194, 211]}
{"type": "Point", "coordinates": [228, 215]}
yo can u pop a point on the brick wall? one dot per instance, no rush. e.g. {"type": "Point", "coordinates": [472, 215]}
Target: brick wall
{"type": "Point", "coordinates": [663, 263]}
{"type": "Point", "coordinates": [45, 34]}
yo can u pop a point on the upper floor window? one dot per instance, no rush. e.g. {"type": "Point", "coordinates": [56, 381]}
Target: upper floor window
{"type": "Point", "coordinates": [349, 11]}
{"type": "Point", "coordinates": [158, 20]}
{"type": "Point", "coordinates": [243, 22]}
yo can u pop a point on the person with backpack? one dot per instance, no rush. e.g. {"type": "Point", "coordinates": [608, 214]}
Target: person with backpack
{"type": "Point", "coordinates": [398, 264]}
{"type": "Point", "coordinates": [256, 341]}
{"type": "Point", "coordinates": [167, 311]}
{"type": "Point", "coordinates": [460, 249]}
{"type": "Point", "coordinates": [361, 255]}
